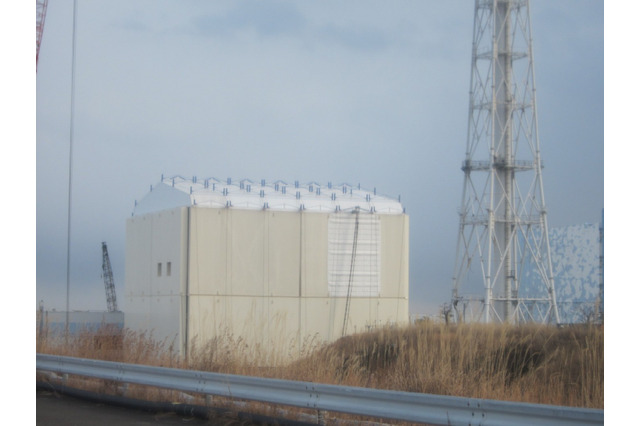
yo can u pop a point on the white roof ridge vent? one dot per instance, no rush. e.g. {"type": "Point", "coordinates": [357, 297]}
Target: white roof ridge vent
{"type": "Point", "coordinates": [176, 191]}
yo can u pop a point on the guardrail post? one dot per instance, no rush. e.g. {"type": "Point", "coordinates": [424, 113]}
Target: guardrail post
{"type": "Point", "coordinates": [122, 390]}
{"type": "Point", "coordinates": [321, 417]}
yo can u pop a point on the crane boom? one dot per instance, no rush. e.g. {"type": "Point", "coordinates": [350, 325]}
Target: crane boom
{"type": "Point", "coordinates": [107, 274]}
{"type": "Point", "coordinates": [41, 13]}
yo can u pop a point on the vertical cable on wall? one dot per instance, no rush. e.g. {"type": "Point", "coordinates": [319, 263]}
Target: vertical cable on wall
{"type": "Point", "coordinates": [351, 272]}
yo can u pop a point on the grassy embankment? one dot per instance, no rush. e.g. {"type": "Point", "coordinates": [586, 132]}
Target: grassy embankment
{"type": "Point", "coordinates": [534, 364]}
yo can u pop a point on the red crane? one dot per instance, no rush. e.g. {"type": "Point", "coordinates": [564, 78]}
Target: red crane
{"type": "Point", "coordinates": [41, 13]}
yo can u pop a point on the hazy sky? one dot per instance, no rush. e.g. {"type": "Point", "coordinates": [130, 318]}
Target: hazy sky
{"type": "Point", "coordinates": [369, 92]}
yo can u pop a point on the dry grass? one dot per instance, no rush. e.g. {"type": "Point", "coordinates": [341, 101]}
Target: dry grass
{"type": "Point", "coordinates": [530, 364]}
{"type": "Point", "coordinates": [534, 364]}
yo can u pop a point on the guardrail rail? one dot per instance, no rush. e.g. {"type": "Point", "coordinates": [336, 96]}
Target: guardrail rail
{"type": "Point", "coordinates": [374, 403]}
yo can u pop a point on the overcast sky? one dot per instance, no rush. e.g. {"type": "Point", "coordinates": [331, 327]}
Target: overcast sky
{"type": "Point", "coordinates": [369, 92]}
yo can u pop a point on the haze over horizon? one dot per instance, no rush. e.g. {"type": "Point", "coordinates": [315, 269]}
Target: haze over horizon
{"type": "Point", "coordinates": [371, 92]}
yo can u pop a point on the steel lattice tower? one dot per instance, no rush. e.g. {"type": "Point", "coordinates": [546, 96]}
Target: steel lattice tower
{"type": "Point", "coordinates": [503, 243]}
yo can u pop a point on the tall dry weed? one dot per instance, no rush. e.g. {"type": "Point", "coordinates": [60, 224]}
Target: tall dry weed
{"type": "Point", "coordinates": [537, 364]}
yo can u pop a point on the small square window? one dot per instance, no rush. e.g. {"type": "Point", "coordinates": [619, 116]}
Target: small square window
{"type": "Point", "coordinates": [168, 269]}
{"type": "Point", "coordinates": [159, 269]}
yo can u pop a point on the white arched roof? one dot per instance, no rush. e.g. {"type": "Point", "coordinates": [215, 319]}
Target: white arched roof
{"type": "Point", "coordinates": [177, 191]}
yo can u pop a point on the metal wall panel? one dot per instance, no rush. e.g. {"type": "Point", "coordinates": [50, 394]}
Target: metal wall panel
{"type": "Point", "coordinates": [314, 263]}
{"type": "Point", "coordinates": [153, 298]}
{"type": "Point", "coordinates": [283, 235]}
{"type": "Point", "coordinates": [208, 252]}
{"type": "Point", "coordinates": [246, 248]}
{"type": "Point", "coordinates": [258, 275]}
{"type": "Point", "coordinates": [394, 268]}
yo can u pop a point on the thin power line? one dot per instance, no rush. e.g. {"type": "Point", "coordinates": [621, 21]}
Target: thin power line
{"type": "Point", "coordinates": [72, 114]}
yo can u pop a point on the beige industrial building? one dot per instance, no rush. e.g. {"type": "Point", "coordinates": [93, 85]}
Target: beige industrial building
{"type": "Point", "coordinates": [276, 265]}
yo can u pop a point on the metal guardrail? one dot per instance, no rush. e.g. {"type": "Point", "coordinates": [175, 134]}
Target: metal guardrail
{"type": "Point", "coordinates": [375, 403]}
